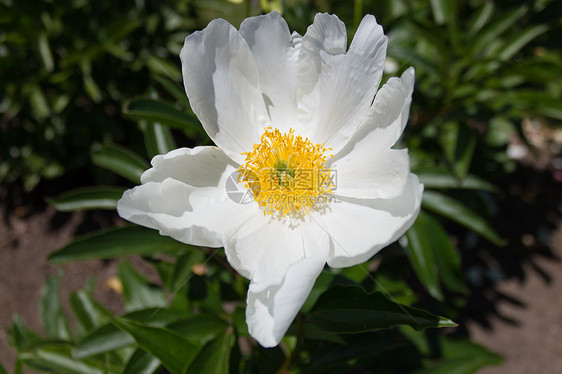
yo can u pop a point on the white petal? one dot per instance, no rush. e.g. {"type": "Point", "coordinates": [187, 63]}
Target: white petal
{"type": "Point", "coordinates": [368, 172]}
{"type": "Point", "coordinates": [198, 167]}
{"type": "Point", "coordinates": [359, 228]}
{"type": "Point", "coordinates": [276, 54]}
{"type": "Point", "coordinates": [174, 199]}
{"type": "Point", "coordinates": [197, 216]}
{"type": "Point", "coordinates": [271, 309]}
{"type": "Point", "coordinates": [387, 117]}
{"type": "Point", "coordinates": [335, 89]}
{"type": "Point", "coordinates": [222, 83]}
{"type": "Point", "coordinates": [264, 247]}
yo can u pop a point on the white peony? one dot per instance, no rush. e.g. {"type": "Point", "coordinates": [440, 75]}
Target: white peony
{"type": "Point", "coordinates": [294, 118]}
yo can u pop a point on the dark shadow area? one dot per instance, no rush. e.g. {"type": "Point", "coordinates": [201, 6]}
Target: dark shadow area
{"type": "Point", "coordinates": [527, 214]}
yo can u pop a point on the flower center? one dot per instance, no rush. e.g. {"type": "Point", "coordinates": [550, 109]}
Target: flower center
{"type": "Point", "coordinates": [286, 173]}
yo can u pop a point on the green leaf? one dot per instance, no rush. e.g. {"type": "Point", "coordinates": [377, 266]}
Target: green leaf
{"type": "Point", "coordinates": [443, 179]}
{"type": "Point", "coordinates": [351, 310]}
{"type": "Point", "coordinates": [458, 143]}
{"type": "Point", "coordinates": [163, 113]}
{"type": "Point", "coordinates": [182, 269]}
{"type": "Point", "coordinates": [421, 257]}
{"type": "Point", "coordinates": [45, 52]}
{"type": "Point", "coordinates": [158, 139]}
{"type": "Point", "coordinates": [20, 337]}
{"type": "Point", "coordinates": [198, 329]}
{"type": "Point", "coordinates": [443, 11]}
{"type": "Point", "coordinates": [89, 314]}
{"type": "Point", "coordinates": [458, 212]}
{"type": "Point", "coordinates": [58, 359]}
{"type": "Point", "coordinates": [492, 31]}
{"type": "Point", "coordinates": [112, 243]}
{"type": "Point", "coordinates": [108, 337]}
{"type": "Point", "coordinates": [337, 358]}
{"type": "Point", "coordinates": [120, 160]}
{"type": "Point", "coordinates": [99, 197]}
{"type": "Point", "coordinates": [462, 357]}
{"type": "Point", "coordinates": [174, 88]}
{"type": "Point", "coordinates": [162, 66]}
{"type": "Point", "coordinates": [215, 356]}
{"type": "Point", "coordinates": [445, 256]}
{"type": "Point", "coordinates": [481, 18]}
{"type": "Point", "coordinates": [141, 363]}
{"type": "Point", "coordinates": [520, 40]}
{"type": "Point", "coordinates": [2, 370]}
{"type": "Point", "coordinates": [138, 293]}
{"type": "Point", "coordinates": [175, 352]}
{"type": "Point", "coordinates": [537, 102]}
{"type": "Point", "coordinates": [50, 309]}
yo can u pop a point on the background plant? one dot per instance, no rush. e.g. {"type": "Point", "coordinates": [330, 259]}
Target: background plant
{"type": "Point", "coordinates": [482, 68]}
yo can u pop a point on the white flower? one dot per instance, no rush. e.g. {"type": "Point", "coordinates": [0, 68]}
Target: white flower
{"type": "Point", "coordinates": [286, 111]}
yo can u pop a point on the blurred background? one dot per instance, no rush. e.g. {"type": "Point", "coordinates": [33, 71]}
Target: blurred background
{"type": "Point", "coordinates": [91, 90]}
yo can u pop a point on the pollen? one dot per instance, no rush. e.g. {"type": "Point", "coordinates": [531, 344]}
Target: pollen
{"type": "Point", "coordinates": [286, 173]}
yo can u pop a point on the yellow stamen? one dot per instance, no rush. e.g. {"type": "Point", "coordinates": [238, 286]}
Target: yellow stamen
{"type": "Point", "coordinates": [286, 173]}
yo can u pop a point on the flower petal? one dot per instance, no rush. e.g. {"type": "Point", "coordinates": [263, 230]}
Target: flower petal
{"type": "Point", "coordinates": [335, 89]}
{"type": "Point", "coordinates": [221, 80]}
{"type": "Point", "coordinates": [264, 248]}
{"type": "Point", "coordinates": [271, 309]}
{"type": "Point", "coordinates": [369, 172]}
{"type": "Point", "coordinates": [198, 167]}
{"type": "Point", "coordinates": [384, 123]}
{"type": "Point", "coordinates": [367, 167]}
{"type": "Point", "coordinates": [359, 228]}
{"type": "Point", "coordinates": [276, 55]}
{"type": "Point", "coordinates": [184, 196]}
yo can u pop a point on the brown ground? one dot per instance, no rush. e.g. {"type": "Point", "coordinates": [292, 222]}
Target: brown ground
{"type": "Point", "coordinates": [519, 317]}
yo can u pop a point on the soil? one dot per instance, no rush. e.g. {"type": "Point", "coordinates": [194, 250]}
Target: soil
{"type": "Point", "coordinates": [515, 308]}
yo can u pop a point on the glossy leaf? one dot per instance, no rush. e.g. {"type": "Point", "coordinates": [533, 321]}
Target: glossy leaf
{"type": "Point", "coordinates": [482, 17]}
{"type": "Point", "coordinates": [158, 111]}
{"type": "Point", "coordinates": [458, 212]}
{"type": "Point", "coordinates": [120, 160]}
{"type": "Point", "coordinates": [175, 352]}
{"type": "Point", "coordinates": [108, 337]}
{"type": "Point", "coordinates": [50, 309]}
{"type": "Point", "coordinates": [198, 329]}
{"type": "Point", "coordinates": [158, 139]}
{"type": "Point", "coordinates": [351, 310]}
{"type": "Point", "coordinates": [138, 293]}
{"type": "Point", "coordinates": [494, 29]}
{"type": "Point", "coordinates": [176, 89]}
{"type": "Point", "coordinates": [112, 243]}
{"type": "Point", "coordinates": [58, 359]}
{"type": "Point", "coordinates": [215, 356]}
{"type": "Point", "coordinates": [182, 269]}
{"type": "Point", "coordinates": [421, 255]}
{"type": "Point", "coordinates": [443, 11]}
{"type": "Point", "coordinates": [458, 143]}
{"type": "Point", "coordinates": [20, 337]}
{"type": "Point", "coordinates": [442, 179]}
{"type": "Point", "coordinates": [141, 363]}
{"type": "Point", "coordinates": [520, 40]}
{"type": "Point", "coordinates": [462, 357]}
{"type": "Point", "coordinates": [337, 358]}
{"type": "Point", "coordinates": [99, 197]}
{"type": "Point", "coordinates": [445, 256]}
{"type": "Point", "coordinates": [89, 314]}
